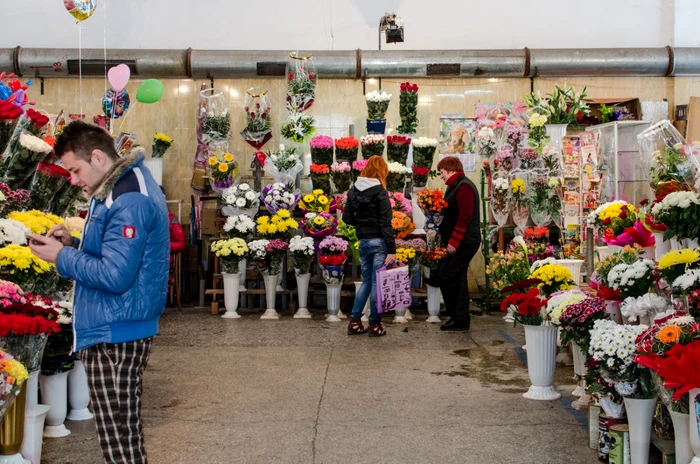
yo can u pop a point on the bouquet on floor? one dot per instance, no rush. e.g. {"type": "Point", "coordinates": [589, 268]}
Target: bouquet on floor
{"type": "Point", "coordinates": [372, 145]}
{"type": "Point", "coordinates": [283, 165]}
{"type": "Point", "coordinates": [240, 199]}
{"type": "Point", "coordinates": [12, 376]}
{"type": "Point", "coordinates": [320, 177]}
{"type": "Point", "coordinates": [397, 148]}
{"type": "Point", "coordinates": [14, 200]}
{"type": "Point", "coordinates": [322, 150]}
{"type": "Point", "coordinates": [161, 143]}
{"type": "Point", "coordinates": [230, 252]}
{"type": "Point", "coordinates": [315, 202]}
{"type": "Point", "coordinates": [341, 175]}
{"type": "Point", "coordinates": [332, 259]}
{"type": "Point", "coordinates": [377, 104]}
{"type": "Point", "coordinates": [680, 213]}
{"type": "Point", "coordinates": [240, 226]}
{"type": "Point", "coordinates": [48, 180]}
{"type": "Point", "coordinates": [402, 225]}
{"type": "Point", "coordinates": [554, 277]}
{"type": "Point", "coordinates": [408, 108]}
{"type": "Point", "coordinates": [267, 255]}
{"type": "Point", "coordinates": [279, 196]}
{"type": "Point", "coordinates": [346, 149]}
{"type": "Point", "coordinates": [13, 232]}
{"type": "Point", "coordinates": [303, 250]}
{"type": "Point", "coordinates": [527, 308]}
{"type": "Point", "coordinates": [400, 203]}
{"type": "Point", "coordinates": [578, 317]}
{"type": "Point", "coordinates": [280, 226]}
{"type": "Point", "coordinates": [396, 179]}
{"type": "Point", "coordinates": [21, 160]}
{"type": "Point", "coordinates": [319, 225]}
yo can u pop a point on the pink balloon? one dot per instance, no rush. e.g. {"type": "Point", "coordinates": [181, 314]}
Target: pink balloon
{"type": "Point", "coordinates": [118, 76]}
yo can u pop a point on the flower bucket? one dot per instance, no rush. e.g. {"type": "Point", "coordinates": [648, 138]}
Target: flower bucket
{"type": "Point", "coordinates": [541, 344]}
{"type": "Point", "coordinates": [232, 286]}
{"type": "Point", "coordinates": [303, 295]}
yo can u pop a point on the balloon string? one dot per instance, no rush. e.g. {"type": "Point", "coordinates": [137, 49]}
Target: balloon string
{"type": "Point", "coordinates": [80, 66]}
{"type": "Point", "coordinates": [104, 39]}
{"type": "Point", "coordinates": [126, 115]}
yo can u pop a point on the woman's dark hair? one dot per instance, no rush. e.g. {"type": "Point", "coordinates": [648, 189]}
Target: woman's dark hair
{"type": "Point", "coordinates": [82, 138]}
{"type": "Point", "coordinates": [450, 164]}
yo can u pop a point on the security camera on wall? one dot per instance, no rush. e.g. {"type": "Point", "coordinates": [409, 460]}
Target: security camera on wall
{"type": "Point", "coordinates": [393, 26]}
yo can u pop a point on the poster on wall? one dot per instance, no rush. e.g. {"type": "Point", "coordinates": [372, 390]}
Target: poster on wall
{"type": "Point", "coordinates": [457, 138]}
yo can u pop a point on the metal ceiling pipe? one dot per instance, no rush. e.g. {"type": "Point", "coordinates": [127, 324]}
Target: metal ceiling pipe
{"type": "Point", "coordinates": [613, 62]}
{"type": "Point", "coordinates": [601, 62]}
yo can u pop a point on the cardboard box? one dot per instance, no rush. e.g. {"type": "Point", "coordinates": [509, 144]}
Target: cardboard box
{"type": "Point", "coordinates": [632, 105]}
{"type": "Point", "coordinates": [209, 216]}
{"type": "Point", "coordinates": [693, 131]}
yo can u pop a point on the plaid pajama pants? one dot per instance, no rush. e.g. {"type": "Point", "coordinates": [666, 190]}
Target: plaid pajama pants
{"type": "Point", "coordinates": [115, 373]}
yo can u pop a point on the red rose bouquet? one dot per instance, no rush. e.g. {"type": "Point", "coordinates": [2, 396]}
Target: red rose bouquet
{"type": "Point", "coordinates": [408, 108]}
{"type": "Point", "coordinates": [397, 148]}
{"type": "Point", "coordinates": [9, 115]}
{"type": "Point", "coordinates": [48, 180]}
{"type": "Point", "coordinates": [346, 149]}
{"type": "Point", "coordinates": [420, 176]}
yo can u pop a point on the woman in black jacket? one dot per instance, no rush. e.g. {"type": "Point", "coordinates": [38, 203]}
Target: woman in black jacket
{"type": "Point", "coordinates": [368, 209]}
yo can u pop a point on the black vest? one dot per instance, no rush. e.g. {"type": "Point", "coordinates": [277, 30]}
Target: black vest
{"type": "Point", "coordinates": [473, 232]}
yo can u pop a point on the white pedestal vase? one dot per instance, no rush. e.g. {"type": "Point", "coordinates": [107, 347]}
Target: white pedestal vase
{"type": "Point", "coordinates": [366, 310]}
{"type": "Point", "coordinates": [333, 302]}
{"type": "Point", "coordinates": [662, 246]}
{"type": "Point", "coordinates": [580, 370]}
{"type": "Point", "coordinates": [602, 252]}
{"type": "Point", "coordinates": [541, 344]}
{"type": "Point", "coordinates": [640, 414]}
{"type": "Point", "coordinates": [400, 316]}
{"type": "Point", "coordinates": [303, 295]}
{"type": "Point", "coordinates": [694, 427]}
{"type": "Point", "coordinates": [270, 296]}
{"type": "Point", "coordinates": [33, 389]}
{"type": "Point", "coordinates": [688, 243]}
{"type": "Point", "coordinates": [54, 393]}
{"type": "Point", "coordinates": [574, 266]}
{"type": "Point", "coordinates": [155, 165]}
{"type": "Point", "coordinates": [681, 436]}
{"type": "Point", "coordinates": [433, 304]}
{"type": "Point", "coordinates": [78, 393]}
{"type": "Point", "coordinates": [232, 286]}
{"type": "Point", "coordinates": [612, 308]}
{"type": "Point", "coordinates": [242, 271]}
{"type": "Point", "coordinates": [34, 418]}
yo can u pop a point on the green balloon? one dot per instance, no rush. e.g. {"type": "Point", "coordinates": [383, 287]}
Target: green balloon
{"type": "Point", "coordinates": [150, 91]}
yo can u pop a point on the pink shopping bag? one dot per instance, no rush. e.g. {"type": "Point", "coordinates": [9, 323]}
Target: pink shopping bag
{"type": "Point", "coordinates": [393, 288]}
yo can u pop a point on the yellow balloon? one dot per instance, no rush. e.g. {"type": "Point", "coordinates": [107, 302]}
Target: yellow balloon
{"type": "Point", "coordinates": [80, 9]}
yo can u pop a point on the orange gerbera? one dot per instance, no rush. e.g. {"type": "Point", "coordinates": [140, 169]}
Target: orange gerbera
{"type": "Point", "coordinates": [669, 334]}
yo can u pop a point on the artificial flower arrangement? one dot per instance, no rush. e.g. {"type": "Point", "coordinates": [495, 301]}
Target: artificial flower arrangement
{"type": "Point", "coordinates": [400, 203]}
{"type": "Point", "coordinates": [346, 149]}
{"type": "Point", "coordinates": [21, 160]}
{"type": "Point", "coordinates": [322, 149]}
{"type": "Point", "coordinates": [397, 148]}
{"type": "Point", "coordinates": [320, 177]}
{"type": "Point", "coordinates": [47, 181]}
{"type": "Point", "coordinates": [396, 179]}
{"type": "Point", "coordinates": [401, 225]}
{"type": "Point", "coordinates": [505, 269]}
{"type": "Point", "coordinates": [161, 143]}
{"type": "Point", "coordinates": [230, 252]}
{"type": "Point", "coordinates": [38, 222]}
{"type": "Point", "coordinates": [333, 255]}
{"type": "Point", "coordinates": [241, 199]}
{"type": "Point", "coordinates": [315, 202]}
{"type": "Point", "coordinates": [12, 200]}
{"type": "Point", "coordinates": [377, 104]}
{"type": "Point", "coordinates": [283, 165]}
{"type": "Point", "coordinates": [635, 308]}
{"type": "Point", "coordinates": [408, 108]}
{"type": "Point", "coordinates": [372, 145]}
{"type": "Point", "coordinates": [357, 167]}
{"type": "Point", "coordinates": [299, 126]}
{"type": "Point", "coordinates": [560, 106]}
{"type": "Point", "coordinates": [554, 277]}
{"type": "Point", "coordinates": [303, 251]}
{"type": "Point", "coordinates": [239, 226]}
{"type": "Point", "coordinates": [13, 232]}
{"type": "Point", "coordinates": [12, 376]}
{"type": "Point", "coordinates": [676, 263]}
{"type": "Point", "coordinates": [319, 225]}
{"type": "Point", "coordinates": [680, 213]}
{"type": "Point", "coordinates": [527, 308]}
{"type": "Point", "coordinates": [424, 152]}
{"type": "Point", "coordinates": [267, 255]}
{"type": "Point", "coordinates": [223, 169]}
{"type": "Point", "coordinates": [537, 134]}
{"type": "Point", "coordinates": [486, 142]}
{"type": "Point", "coordinates": [279, 196]}
{"type": "Point", "coordinates": [280, 225]}
{"type": "Point", "coordinates": [341, 176]}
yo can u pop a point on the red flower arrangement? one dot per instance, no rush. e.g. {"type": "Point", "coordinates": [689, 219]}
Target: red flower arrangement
{"type": "Point", "coordinates": [408, 87]}
{"type": "Point", "coordinates": [522, 285]}
{"type": "Point", "coordinates": [346, 149]}
{"type": "Point", "coordinates": [398, 140]}
{"type": "Point", "coordinates": [332, 260]}
{"type": "Point", "coordinates": [9, 111]}
{"type": "Point", "coordinates": [525, 307]}
{"type": "Point", "coordinates": [346, 143]}
{"type": "Point", "coordinates": [20, 324]}
{"type": "Point", "coordinates": [30, 309]}
{"type": "Point", "coordinates": [680, 367]}
{"type": "Point", "coordinates": [651, 224]}
{"type": "Point", "coordinates": [421, 171]}
{"type": "Point", "coordinates": [37, 119]}
{"type": "Point", "coordinates": [319, 169]}
{"type": "Point", "coordinates": [537, 232]}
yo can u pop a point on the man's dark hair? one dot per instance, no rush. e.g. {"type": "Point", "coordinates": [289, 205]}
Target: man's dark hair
{"type": "Point", "coordinates": [82, 138]}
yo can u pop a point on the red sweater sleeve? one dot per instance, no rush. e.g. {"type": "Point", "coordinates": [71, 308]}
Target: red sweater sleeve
{"type": "Point", "coordinates": [177, 238]}
{"type": "Point", "coordinates": [465, 202]}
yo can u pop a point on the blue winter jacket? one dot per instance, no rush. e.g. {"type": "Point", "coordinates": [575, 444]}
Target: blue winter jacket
{"type": "Point", "coordinates": [121, 265]}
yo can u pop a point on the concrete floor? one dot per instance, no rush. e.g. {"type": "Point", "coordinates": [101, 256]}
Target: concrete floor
{"type": "Point", "coordinates": [302, 391]}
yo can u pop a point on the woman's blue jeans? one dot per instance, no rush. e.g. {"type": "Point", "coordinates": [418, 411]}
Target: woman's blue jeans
{"type": "Point", "coordinates": [372, 256]}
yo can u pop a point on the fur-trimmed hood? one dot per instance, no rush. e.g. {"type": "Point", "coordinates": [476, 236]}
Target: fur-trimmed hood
{"type": "Point", "coordinates": [132, 159]}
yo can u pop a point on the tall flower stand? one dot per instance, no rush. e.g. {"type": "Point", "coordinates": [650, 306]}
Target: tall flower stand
{"type": "Point", "coordinates": [433, 304]}
{"type": "Point", "coordinates": [54, 393]}
{"type": "Point", "coordinates": [242, 270]}
{"type": "Point", "coordinates": [365, 311]}
{"type": "Point", "coordinates": [681, 436]}
{"type": "Point", "coordinates": [12, 431]}
{"type": "Point", "coordinates": [78, 393]}
{"type": "Point", "coordinates": [400, 316]}
{"type": "Point", "coordinates": [270, 296]}
{"type": "Point", "coordinates": [580, 371]}
{"type": "Point", "coordinates": [640, 414]}
{"type": "Point", "coordinates": [232, 287]}
{"type": "Point", "coordinates": [694, 431]}
{"type": "Point", "coordinates": [34, 419]}
{"type": "Point", "coordinates": [303, 295]}
{"type": "Point", "coordinates": [541, 341]}
{"type": "Point", "coordinates": [333, 301]}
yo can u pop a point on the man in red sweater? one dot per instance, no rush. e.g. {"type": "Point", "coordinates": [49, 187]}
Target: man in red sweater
{"type": "Point", "coordinates": [460, 231]}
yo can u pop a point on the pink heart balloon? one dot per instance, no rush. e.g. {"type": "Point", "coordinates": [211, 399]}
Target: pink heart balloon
{"type": "Point", "coordinates": [118, 76]}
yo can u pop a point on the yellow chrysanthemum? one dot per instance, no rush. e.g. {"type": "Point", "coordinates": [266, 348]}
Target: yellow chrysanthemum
{"type": "Point", "coordinates": [284, 214]}
{"type": "Point", "coordinates": [263, 219]}
{"type": "Point", "coordinates": [38, 222]}
{"type": "Point", "coordinates": [517, 186]}
{"type": "Point", "coordinates": [675, 257]}
{"type": "Point", "coordinates": [163, 138]}
{"type": "Point", "coordinates": [272, 229]}
{"type": "Point", "coordinates": [291, 223]}
{"type": "Point", "coordinates": [213, 161]}
{"type": "Point", "coordinates": [228, 157]}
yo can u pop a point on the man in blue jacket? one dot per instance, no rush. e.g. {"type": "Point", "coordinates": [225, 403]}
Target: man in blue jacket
{"type": "Point", "coordinates": [121, 273]}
